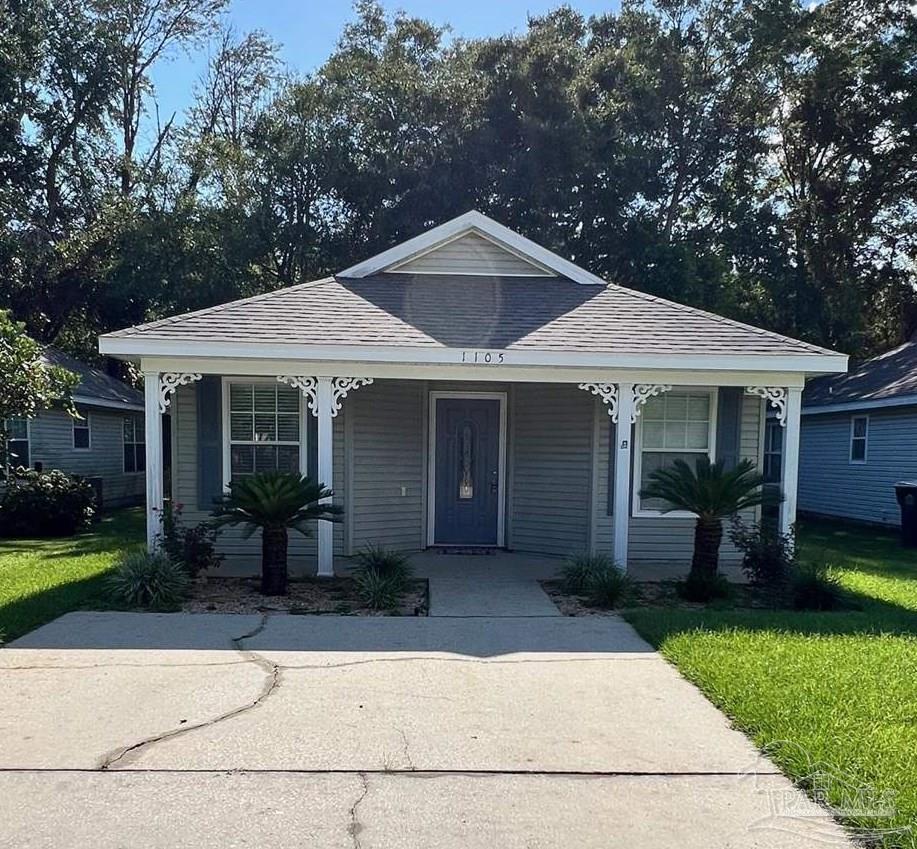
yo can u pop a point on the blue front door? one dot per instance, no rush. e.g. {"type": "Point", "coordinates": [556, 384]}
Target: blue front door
{"type": "Point", "coordinates": [467, 471]}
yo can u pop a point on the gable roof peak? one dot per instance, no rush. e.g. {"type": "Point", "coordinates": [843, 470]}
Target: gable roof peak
{"type": "Point", "coordinates": [473, 221]}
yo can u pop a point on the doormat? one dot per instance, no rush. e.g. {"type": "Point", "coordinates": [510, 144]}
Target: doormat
{"type": "Point", "coordinates": [466, 549]}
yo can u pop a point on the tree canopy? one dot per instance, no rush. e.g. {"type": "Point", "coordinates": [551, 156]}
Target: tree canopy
{"type": "Point", "coordinates": [753, 157]}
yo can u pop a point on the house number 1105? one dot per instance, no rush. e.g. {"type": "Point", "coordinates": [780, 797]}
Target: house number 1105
{"type": "Point", "coordinates": [483, 357]}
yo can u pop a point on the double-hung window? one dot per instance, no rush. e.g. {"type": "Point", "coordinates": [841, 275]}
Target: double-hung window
{"type": "Point", "coordinates": [773, 452]}
{"type": "Point", "coordinates": [264, 428]}
{"type": "Point", "coordinates": [859, 437]}
{"type": "Point", "coordinates": [82, 434]}
{"type": "Point", "coordinates": [676, 425]}
{"type": "Point", "coordinates": [134, 447]}
{"type": "Point", "coordinates": [17, 442]}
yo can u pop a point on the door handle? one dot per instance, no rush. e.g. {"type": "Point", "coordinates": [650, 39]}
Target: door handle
{"type": "Point", "coordinates": [493, 481]}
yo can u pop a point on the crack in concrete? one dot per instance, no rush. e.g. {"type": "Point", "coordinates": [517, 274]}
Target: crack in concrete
{"type": "Point", "coordinates": [272, 681]}
{"type": "Point", "coordinates": [406, 750]}
{"type": "Point", "coordinates": [644, 656]}
{"type": "Point", "coordinates": [355, 826]}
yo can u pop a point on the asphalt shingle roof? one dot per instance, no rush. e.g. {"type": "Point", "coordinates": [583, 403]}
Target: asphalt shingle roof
{"type": "Point", "coordinates": [94, 384]}
{"type": "Point", "coordinates": [890, 375]}
{"type": "Point", "coordinates": [465, 312]}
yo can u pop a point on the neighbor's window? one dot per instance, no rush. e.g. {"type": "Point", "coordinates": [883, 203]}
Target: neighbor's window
{"type": "Point", "coordinates": [17, 444]}
{"type": "Point", "coordinates": [773, 452]}
{"type": "Point", "coordinates": [859, 436]}
{"type": "Point", "coordinates": [82, 438]}
{"type": "Point", "coordinates": [134, 447]}
{"type": "Point", "coordinates": [264, 428]}
{"type": "Point", "coordinates": [674, 426]}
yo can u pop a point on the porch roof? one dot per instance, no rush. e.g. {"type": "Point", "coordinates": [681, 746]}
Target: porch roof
{"type": "Point", "coordinates": [420, 311]}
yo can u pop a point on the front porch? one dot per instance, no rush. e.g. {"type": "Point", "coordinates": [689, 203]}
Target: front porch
{"type": "Point", "coordinates": [561, 460]}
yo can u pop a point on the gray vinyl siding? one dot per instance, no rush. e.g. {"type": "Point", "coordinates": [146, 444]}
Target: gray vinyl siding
{"type": "Point", "coordinates": [472, 254]}
{"type": "Point", "coordinates": [386, 435]}
{"type": "Point", "coordinates": [664, 538]}
{"type": "Point", "coordinates": [830, 485]}
{"type": "Point", "coordinates": [552, 468]}
{"type": "Point", "coordinates": [51, 434]}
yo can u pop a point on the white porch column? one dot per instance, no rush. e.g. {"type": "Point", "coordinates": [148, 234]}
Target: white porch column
{"type": "Point", "coordinates": [790, 459]}
{"type": "Point", "coordinates": [325, 412]}
{"type": "Point", "coordinates": [625, 416]}
{"type": "Point", "coordinates": [152, 418]}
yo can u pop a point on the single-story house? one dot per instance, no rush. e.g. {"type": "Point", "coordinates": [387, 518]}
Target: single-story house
{"type": "Point", "coordinates": [859, 437]}
{"type": "Point", "coordinates": [466, 388]}
{"type": "Point", "coordinates": [105, 444]}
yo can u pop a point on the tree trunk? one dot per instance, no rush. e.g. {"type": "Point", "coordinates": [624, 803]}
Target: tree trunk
{"type": "Point", "coordinates": [274, 561]}
{"type": "Point", "coordinates": [708, 534]}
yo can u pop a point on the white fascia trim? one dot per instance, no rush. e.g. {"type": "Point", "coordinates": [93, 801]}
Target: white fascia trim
{"type": "Point", "coordinates": [902, 401]}
{"type": "Point", "coordinates": [89, 401]}
{"type": "Point", "coordinates": [487, 227]}
{"type": "Point", "coordinates": [127, 346]}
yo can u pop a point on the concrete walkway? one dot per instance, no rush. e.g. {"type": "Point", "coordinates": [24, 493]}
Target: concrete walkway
{"type": "Point", "coordinates": [494, 585]}
{"type": "Point", "coordinates": [146, 730]}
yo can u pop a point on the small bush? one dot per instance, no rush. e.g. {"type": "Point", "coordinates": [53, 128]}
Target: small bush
{"type": "Point", "coordinates": [608, 587]}
{"type": "Point", "coordinates": [45, 504]}
{"type": "Point", "coordinates": [578, 571]}
{"type": "Point", "coordinates": [768, 556]}
{"type": "Point", "coordinates": [194, 548]}
{"type": "Point", "coordinates": [378, 591]}
{"type": "Point", "coordinates": [814, 586]}
{"type": "Point", "coordinates": [384, 562]}
{"type": "Point", "coordinates": [703, 588]}
{"type": "Point", "coordinates": [149, 580]}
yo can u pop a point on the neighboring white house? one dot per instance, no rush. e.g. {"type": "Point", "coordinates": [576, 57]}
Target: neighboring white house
{"type": "Point", "coordinates": [859, 437]}
{"type": "Point", "coordinates": [106, 444]}
{"type": "Point", "coordinates": [465, 388]}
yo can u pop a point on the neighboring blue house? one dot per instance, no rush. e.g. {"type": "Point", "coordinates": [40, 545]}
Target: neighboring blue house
{"type": "Point", "coordinates": [859, 437]}
{"type": "Point", "coordinates": [106, 444]}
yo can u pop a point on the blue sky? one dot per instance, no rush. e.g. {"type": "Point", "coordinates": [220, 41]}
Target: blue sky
{"type": "Point", "coordinates": [308, 31]}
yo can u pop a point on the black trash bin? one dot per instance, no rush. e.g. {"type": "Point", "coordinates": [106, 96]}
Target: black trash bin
{"type": "Point", "coordinates": [907, 498]}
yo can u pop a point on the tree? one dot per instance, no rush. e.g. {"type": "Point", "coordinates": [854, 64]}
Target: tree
{"type": "Point", "coordinates": [712, 493]}
{"type": "Point", "coordinates": [27, 383]}
{"type": "Point", "coordinates": [274, 502]}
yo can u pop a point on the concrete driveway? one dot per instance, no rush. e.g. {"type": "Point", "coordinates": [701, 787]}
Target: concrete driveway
{"type": "Point", "coordinates": [144, 730]}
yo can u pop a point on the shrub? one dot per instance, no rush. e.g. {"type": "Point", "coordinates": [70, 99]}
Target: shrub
{"type": "Point", "coordinates": [607, 587]}
{"type": "Point", "coordinates": [768, 556]}
{"type": "Point", "coordinates": [45, 504]}
{"type": "Point", "coordinates": [194, 548]}
{"type": "Point", "coordinates": [385, 563]}
{"type": "Point", "coordinates": [149, 580]}
{"type": "Point", "coordinates": [579, 569]}
{"type": "Point", "coordinates": [378, 591]}
{"type": "Point", "coordinates": [815, 586]}
{"type": "Point", "coordinates": [704, 587]}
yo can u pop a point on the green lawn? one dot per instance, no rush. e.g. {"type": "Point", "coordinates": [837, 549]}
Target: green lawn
{"type": "Point", "coordinates": [827, 693]}
{"type": "Point", "coordinates": [41, 579]}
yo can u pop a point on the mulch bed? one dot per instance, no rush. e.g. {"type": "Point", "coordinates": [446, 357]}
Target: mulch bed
{"type": "Point", "coordinates": [655, 594]}
{"type": "Point", "coordinates": [305, 595]}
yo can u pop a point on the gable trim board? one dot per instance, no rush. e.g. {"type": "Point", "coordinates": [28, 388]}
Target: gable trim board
{"type": "Point", "coordinates": [902, 401]}
{"type": "Point", "coordinates": [484, 226]}
{"type": "Point", "coordinates": [488, 258]}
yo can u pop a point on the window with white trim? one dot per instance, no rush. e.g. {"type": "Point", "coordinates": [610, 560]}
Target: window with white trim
{"type": "Point", "coordinates": [773, 451]}
{"type": "Point", "coordinates": [134, 444]}
{"type": "Point", "coordinates": [82, 435]}
{"type": "Point", "coordinates": [264, 428]}
{"type": "Point", "coordinates": [18, 446]}
{"type": "Point", "coordinates": [859, 438]}
{"type": "Point", "coordinates": [673, 426]}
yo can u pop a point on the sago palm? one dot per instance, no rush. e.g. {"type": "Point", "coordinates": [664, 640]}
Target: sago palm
{"type": "Point", "coordinates": [274, 502]}
{"type": "Point", "coordinates": [712, 493]}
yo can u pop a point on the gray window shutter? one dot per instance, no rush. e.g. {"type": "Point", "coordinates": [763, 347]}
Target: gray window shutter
{"type": "Point", "coordinates": [612, 456]}
{"type": "Point", "coordinates": [729, 425]}
{"type": "Point", "coordinates": [209, 441]}
{"type": "Point", "coordinates": [312, 446]}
